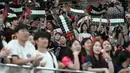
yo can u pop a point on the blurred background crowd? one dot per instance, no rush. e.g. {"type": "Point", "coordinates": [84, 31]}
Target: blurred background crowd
{"type": "Point", "coordinates": [88, 35]}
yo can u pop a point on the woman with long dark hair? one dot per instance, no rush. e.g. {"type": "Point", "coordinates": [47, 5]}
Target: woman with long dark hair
{"type": "Point", "coordinates": [86, 46]}
{"type": "Point", "coordinates": [84, 32]}
{"type": "Point", "coordinates": [109, 49]}
{"type": "Point", "coordinates": [71, 59]}
{"type": "Point", "coordinates": [98, 61]}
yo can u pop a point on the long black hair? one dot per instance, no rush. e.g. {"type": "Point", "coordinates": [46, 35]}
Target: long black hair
{"type": "Point", "coordinates": [83, 52]}
{"type": "Point", "coordinates": [68, 52]}
{"type": "Point", "coordinates": [81, 29]}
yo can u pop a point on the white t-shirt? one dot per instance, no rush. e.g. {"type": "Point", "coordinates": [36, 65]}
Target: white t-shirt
{"type": "Point", "coordinates": [22, 52]}
{"type": "Point", "coordinates": [48, 61]}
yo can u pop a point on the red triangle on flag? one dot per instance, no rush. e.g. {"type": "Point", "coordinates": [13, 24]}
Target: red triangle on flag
{"type": "Point", "coordinates": [28, 12]}
{"type": "Point", "coordinates": [5, 13]}
{"type": "Point", "coordinates": [67, 8]}
{"type": "Point", "coordinates": [16, 2]}
{"type": "Point", "coordinates": [89, 8]}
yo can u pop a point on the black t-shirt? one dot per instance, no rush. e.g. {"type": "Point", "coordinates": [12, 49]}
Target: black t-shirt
{"type": "Point", "coordinates": [62, 52]}
{"type": "Point", "coordinates": [96, 63]}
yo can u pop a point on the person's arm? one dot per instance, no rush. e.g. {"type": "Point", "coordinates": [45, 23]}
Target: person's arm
{"type": "Point", "coordinates": [98, 29]}
{"type": "Point", "coordinates": [98, 70]}
{"type": "Point", "coordinates": [110, 65]}
{"type": "Point", "coordinates": [69, 64]}
{"type": "Point", "coordinates": [16, 60]}
{"type": "Point", "coordinates": [60, 65]}
{"type": "Point", "coordinates": [123, 71]}
{"type": "Point", "coordinates": [109, 61]}
{"type": "Point", "coordinates": [6, 60]}
{"type": "Point", "coordinates": [3, 54]}
{"type": "Point", "coordinates": [76, 64]}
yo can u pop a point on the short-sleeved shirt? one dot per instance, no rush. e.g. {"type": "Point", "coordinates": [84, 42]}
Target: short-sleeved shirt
{"type": "Point", "coordinates": [21, 52]}
{"type": "Point", "coordinates": [66, 61]}
{"type": "Point", "coordinates": [49, 59]}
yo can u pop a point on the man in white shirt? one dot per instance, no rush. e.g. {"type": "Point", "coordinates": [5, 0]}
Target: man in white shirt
{"type": "Point", "coordinates": [23, 52]}
{"type": "Point", "coordinates": [49, 61]}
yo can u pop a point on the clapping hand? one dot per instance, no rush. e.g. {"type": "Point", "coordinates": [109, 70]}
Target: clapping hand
{"type": "Point", "coordinates": [37, 60]}
{"type": "Point", "coordinates": [5, 52]}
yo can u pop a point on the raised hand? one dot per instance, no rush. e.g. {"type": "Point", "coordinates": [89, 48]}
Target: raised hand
{"type": "Point", "coordinates": [105, 55]}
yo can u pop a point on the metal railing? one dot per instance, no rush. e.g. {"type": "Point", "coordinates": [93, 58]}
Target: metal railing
{"type": "Point", "coordinates": [42, 68]}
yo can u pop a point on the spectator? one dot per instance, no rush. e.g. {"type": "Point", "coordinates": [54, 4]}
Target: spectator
{"type": "Point", "coordinates": [50, 26]}
{"type": "Point", "coordinates": [9, 33]}
{"type": "Point", "coordinates": [92, 30]}
{"type": "Point", "coordinates": [35, 25]}
{"type": "Point", "coordinates": [86, 46]}
{"type": "Point", "coordinates": [62, 46]}
{"type": "Point", "coordinates": [107, 46]}
{"type": "Point", "coordinates": [23, 52]}
{"type": "Point", "coordinates": [84, 32]}
{"type": "Point", "coordinates": [123, 62]}
{"type": "Point", "coordinates": [4, 53]}
{"type": "Point", "coordinates": [57, 42]}
{"type": "Point", "coordinates": [49, 61]}
{"type": "Point", "coordinates": [97, 61]}
{"type": "Point", "coordinates": [62, 51]}
{"type": "Point", "coordinates": [72, 59]}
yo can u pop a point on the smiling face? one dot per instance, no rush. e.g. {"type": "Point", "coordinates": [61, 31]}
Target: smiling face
{"type": "Point", "coordinates": [62, 40]}
{"type": "Point", "coordinates": [106, 45]}
{"type": "Point", "coordinates": [97, 48]}
{"type": "Point", "coordinates": [87, 45]}
{"type": "Point", "coordinates": [76, 46]}
{"type": "Point", "coordinates": [84, 27]}
{"type": "Point", "coordinates": [57, 37]}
